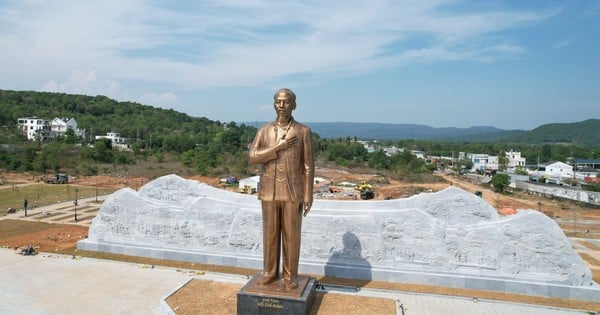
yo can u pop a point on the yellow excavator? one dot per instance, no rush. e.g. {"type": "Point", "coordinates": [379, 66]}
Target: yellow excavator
{"type": "Point", "coordinates": [366, 190]}
{"type": "Point", "coordinates": [247, 189]}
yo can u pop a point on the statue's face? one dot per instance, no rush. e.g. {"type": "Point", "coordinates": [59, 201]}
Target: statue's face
{"type": "Point", "coordinates": [284, 105]}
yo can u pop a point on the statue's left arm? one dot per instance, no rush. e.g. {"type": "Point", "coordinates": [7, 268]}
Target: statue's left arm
{"type": "Point", "coordinates": [308, 170]}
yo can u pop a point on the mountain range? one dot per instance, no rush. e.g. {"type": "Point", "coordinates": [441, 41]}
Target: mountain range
{"type": "Point", "coordinates": [586, 132]}
{"type": "Point", "coordinates": [383, 131]}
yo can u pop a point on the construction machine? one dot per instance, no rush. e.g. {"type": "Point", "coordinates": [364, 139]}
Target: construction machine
{"type": "Point", "coordinates": [366, 190]}
{"type": "Point", "coordinates": [247, 189]}
{"type": "Point", "coordinates": [57, 178]}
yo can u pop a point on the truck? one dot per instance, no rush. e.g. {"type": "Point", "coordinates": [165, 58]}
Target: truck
{"type": "Point", "coordinates": [57, 178]}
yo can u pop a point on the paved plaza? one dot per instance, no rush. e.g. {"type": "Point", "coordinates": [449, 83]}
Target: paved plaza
{"type": "Point", "coordinates": [59, 284]}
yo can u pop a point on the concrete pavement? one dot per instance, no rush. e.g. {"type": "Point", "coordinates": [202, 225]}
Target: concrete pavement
{"type": "Point", "coordinates": [59, 284]}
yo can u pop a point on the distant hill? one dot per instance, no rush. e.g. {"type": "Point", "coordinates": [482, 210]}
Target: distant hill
{"type": "Point", "coordinates": [99, 114]}
{"type": "Point", "coordinates": [586, 132]}
{"type": "Point", "coordinates": [409, 131]}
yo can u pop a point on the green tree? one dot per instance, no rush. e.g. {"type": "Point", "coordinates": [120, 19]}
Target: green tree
{"type": "Point", "coordinates": [103, 151]}
{"type": "Point", "coordinates": [70, 137]}
{"type": "Point", "coordinates": [500, 182]}
{"type": "Point", "coordinates": [464, 164]}
{"type": "Point", "coordinates": [379, 160]}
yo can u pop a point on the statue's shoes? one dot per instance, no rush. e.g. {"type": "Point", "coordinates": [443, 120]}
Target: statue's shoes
{"type": "Point", "coordinates": [290, 285]}
{"type": "Point", "coordinates": [266, 280]}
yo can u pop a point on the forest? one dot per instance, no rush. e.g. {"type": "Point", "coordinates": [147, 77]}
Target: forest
{"type": "Point", "coordinates": [207, 147]}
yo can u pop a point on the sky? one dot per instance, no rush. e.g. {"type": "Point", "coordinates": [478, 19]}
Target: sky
{"type": "Point", "coordinates": [445, 63]}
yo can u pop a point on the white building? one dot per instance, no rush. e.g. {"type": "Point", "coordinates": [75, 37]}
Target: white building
{"type": "Point", "coordinates": [419, 154]}
{"type": "Point", "coordinates": [389, 151]}
{"type": "Point", "coordinates": [114, 137]}
{"type": "Point", "coordinates": [34, 128]}
{"type": "Point", "coordinates": [514, 160]}
{"type": "Point", "coordinates": [483, 162]}
{"type": "Point", "coordinates": [59, 127]}
{"type": "Point", "coordinates": [557, 172]}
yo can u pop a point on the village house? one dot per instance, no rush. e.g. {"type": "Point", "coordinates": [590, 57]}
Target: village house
{"type": "Point", "coordinates": [389, 151]}
{"type": "Point", "coordinates": [514, 160]}
{"type": "Point", "coordinates": [585, 163]}
{"type": "Point", "coordinates": [419, 154]}
{"type": "Point", "coordinates": [59, 127]}
{"type": "Point", "coordinates": [34, 128]}
{"type": "Point", "coordinates": [114, 137]}
{"type": "Point", "coordinates": [483, 162]}
{"type": "Point", "coordinates": [558, 172]}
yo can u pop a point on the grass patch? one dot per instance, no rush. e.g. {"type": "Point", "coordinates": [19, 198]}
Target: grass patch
{"type": "Point", "coordinates": [40, 195]}
{"type": "Point", "coordinates": [11, 228]}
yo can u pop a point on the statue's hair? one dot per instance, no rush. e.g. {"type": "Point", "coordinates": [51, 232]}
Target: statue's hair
{"type": "Point", "coordinates": [286, 91]}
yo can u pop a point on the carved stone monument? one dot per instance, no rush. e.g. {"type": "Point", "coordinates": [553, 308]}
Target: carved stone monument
{"type": "Point", "coordinates": [449, 238]}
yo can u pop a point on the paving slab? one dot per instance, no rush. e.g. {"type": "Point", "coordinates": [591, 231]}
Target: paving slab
{"type": "Point", "coordinates": [61, 284]}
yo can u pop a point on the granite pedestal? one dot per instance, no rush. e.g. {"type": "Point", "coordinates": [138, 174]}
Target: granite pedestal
{"type": "Point", "coordinates": [274, 298]}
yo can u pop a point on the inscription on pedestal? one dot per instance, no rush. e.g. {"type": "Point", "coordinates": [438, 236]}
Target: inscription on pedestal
{"type": "Point", "coordinates": [274, 299]}
{"type": "Point", "coordinates": [270, 305]}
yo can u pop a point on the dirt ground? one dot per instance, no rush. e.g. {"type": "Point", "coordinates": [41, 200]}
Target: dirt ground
{"type": "Point", "coordinates": [63, 238]}
{"type": "Point", "coordinates": [43, 236]}
{"type": "Point", "coordinates": [221, 298]}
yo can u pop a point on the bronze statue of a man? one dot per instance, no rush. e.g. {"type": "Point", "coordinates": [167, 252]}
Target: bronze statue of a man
{"type": "Point", "coordinates": [284, 148]}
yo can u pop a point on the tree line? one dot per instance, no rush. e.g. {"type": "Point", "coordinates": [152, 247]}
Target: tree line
{"type": "Point", "coordinates": [208, 147]}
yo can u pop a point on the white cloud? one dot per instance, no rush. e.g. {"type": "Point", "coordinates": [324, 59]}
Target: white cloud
{"type": "Point", "coordinates": [85, 83]}
{"type": "Point", "coordinates": [563, 43]}
{"type": "Point", "coordinates": [166, 100]}
{"type": "Point", "coordinates": [238, 43]}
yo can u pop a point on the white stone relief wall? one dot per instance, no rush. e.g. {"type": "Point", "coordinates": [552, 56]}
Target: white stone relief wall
{"type": "Point", "coordinates": [451, 231]}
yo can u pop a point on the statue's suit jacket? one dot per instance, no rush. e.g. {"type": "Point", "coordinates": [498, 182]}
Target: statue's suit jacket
{"type": "Point", "coordinates": [298, 163]}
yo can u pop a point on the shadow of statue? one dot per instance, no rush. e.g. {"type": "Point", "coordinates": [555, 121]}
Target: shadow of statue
{"type": "Point", "coordinates": [348, 265]}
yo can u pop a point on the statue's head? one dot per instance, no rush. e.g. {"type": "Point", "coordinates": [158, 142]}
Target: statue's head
{"type": "Point", "coordinates": [284, 102]}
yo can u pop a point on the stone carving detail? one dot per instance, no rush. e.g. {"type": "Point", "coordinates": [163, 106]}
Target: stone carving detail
{"type": "Point", "coordinates": [451, 231]}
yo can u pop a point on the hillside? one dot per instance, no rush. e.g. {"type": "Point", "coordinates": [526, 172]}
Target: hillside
{"type": "Point", "coordinates": [586, 132]}
{"type": "Point", "coordinates": [99, 114]}
{"type": "Point", "coordinates": [582, 133]}
{"type": "Point", "coordinates": [153, 132]}
{"type": "Point", "coordinates": [383, 131]}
